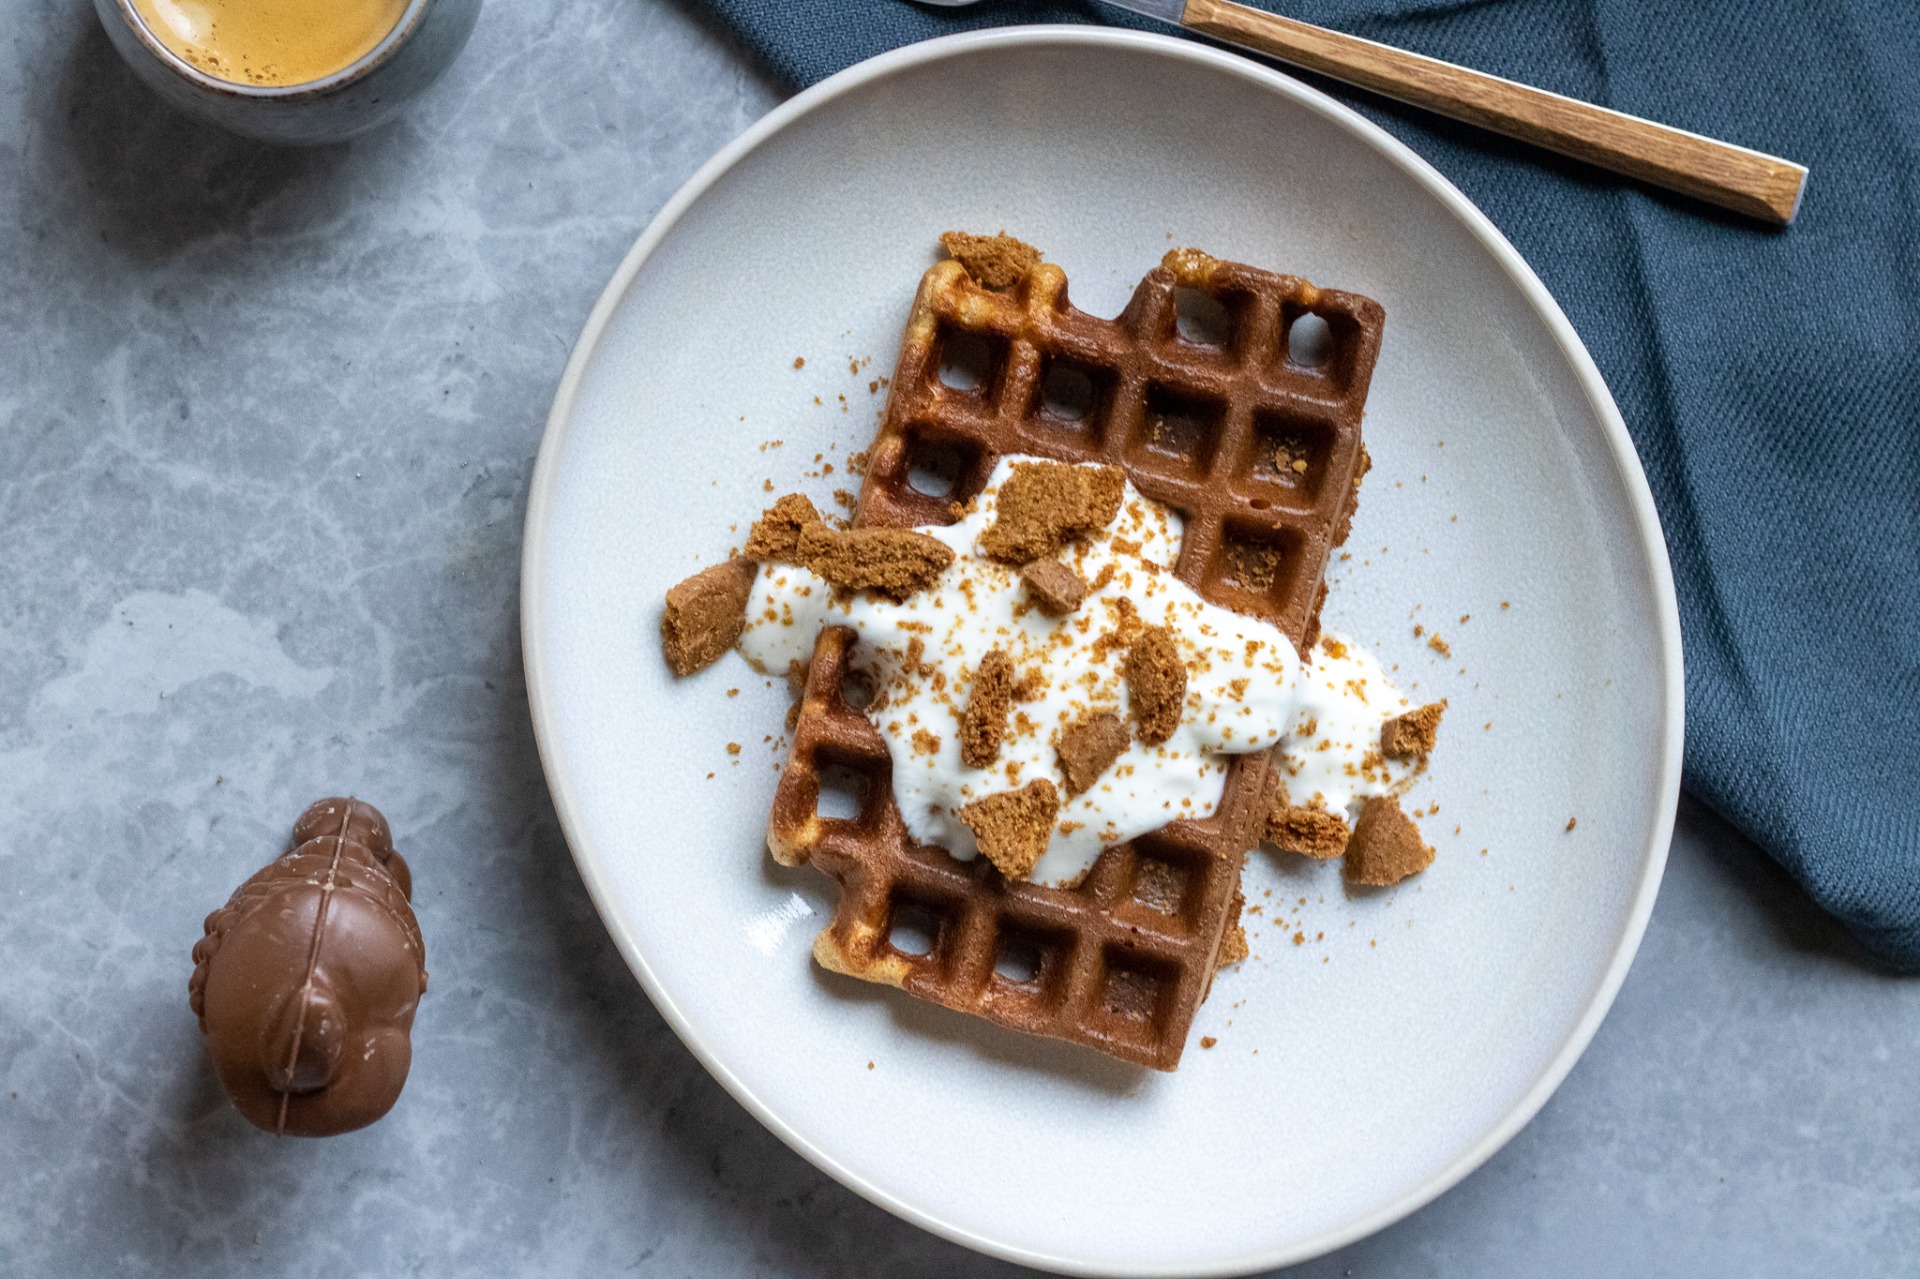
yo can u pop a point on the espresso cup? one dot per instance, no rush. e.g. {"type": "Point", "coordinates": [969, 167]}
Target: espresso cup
{"type": "Point", "coordinates": [363, 94]}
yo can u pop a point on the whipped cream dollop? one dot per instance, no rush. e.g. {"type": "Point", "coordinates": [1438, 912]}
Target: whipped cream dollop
{"type": "Point", "coordinates": [1247, 688]}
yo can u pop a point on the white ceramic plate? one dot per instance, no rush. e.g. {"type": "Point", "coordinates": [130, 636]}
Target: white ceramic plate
{"type": "Point", "coordinates": [1406, 1035]}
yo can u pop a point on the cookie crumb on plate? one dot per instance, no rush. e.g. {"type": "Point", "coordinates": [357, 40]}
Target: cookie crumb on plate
{"type": "Point", "coordinates": [705, 615]}
{"type": "Point", "coordinates": [1386, 846]}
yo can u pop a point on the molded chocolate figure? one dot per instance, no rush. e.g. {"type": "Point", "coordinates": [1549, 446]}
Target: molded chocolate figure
{"type": "Point", "coordinates": [307, 980]}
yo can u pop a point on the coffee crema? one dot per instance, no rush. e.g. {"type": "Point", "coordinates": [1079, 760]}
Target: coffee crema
{"type": "Point", "coordinates": [270, 42]}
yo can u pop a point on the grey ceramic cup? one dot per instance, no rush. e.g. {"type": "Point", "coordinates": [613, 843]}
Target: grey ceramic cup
{"type": "Point", "coordinates": [358, 97]}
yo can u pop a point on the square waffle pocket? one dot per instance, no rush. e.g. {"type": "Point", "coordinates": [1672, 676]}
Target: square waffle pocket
{"type": "Point", "coordinates": [1247, 423]}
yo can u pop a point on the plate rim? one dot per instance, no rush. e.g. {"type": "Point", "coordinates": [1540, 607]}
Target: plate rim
{"type": "Point", "coordinates": [1639, 496]}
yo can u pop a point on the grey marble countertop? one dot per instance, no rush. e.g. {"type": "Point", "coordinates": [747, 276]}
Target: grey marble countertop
{"type": "Point", "coordinates": [269, 419]}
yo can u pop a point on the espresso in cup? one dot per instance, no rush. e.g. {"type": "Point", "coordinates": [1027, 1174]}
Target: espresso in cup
{"type": "Point", "coordinates": [270, 42]}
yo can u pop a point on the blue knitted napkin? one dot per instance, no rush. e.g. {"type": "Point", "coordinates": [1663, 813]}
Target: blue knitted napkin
{"type": "Point", "coordinates": [1771, 379]}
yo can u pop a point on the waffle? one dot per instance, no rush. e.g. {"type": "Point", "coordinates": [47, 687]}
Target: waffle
{"type": "Point", "coordinates": [1120, 961]}
{"type": "Point", "coordinates": [1215, 432]}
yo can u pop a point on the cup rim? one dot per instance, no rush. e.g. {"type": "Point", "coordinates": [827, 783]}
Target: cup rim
{"type": "Point", "coordinates": [354, 71]}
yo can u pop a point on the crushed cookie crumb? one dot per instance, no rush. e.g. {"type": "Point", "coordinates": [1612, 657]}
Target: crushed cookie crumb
{"type": "Point", "coordinates": [1254, 566]}
{"type": "Point", "coordinates": [994, 261]}
{"type": "Point", "coordinates": [983, 725]}
{"type": "Point", "coordinates": [1290, 453]}
{"type": "Point", "coordinates": [1308, 830]}
{"type": "Point", "coordinates": [775, 536]}
{"type": "Point", "coordinates": [1208, 1041]}
{"type": "Point", "coordinates": [1572, 822]}
{"type": "Point", "coordinates": [705, 615]}
{"type": "Point", "coordinates": [1088, 748]}
{"type": "Point", "coordinates": [1233, 939]}
{"type": "Point", "coordinates": [1031, 688]}
{"type": "Point", "coordinates": [1156, 683]}
{"type": "Point", "coordinates": [925, 743]}
{"type": "Point", "coordinates": [1042, 504]}
{"type": "Point", "coordinates": [733, 748]}
{"type": "Point", "coordinates": [894, 561]}
{"type": "Point", "coordinates": [1412, 735]}
{"type": "Point", "coordinates": [1386, 846]}
{"type": "Point", "coordinates": [1013, 827]}
{"type": "Point", "coordinates": [1439, 645]}
{"type": "Point", "coordinates": [799, 361]}
{"type": "Point", "coordinates": [1057, 589]}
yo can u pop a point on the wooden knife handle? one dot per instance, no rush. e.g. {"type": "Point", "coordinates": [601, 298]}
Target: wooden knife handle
{"type": "Point", "coordinates": [1750, 182]}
